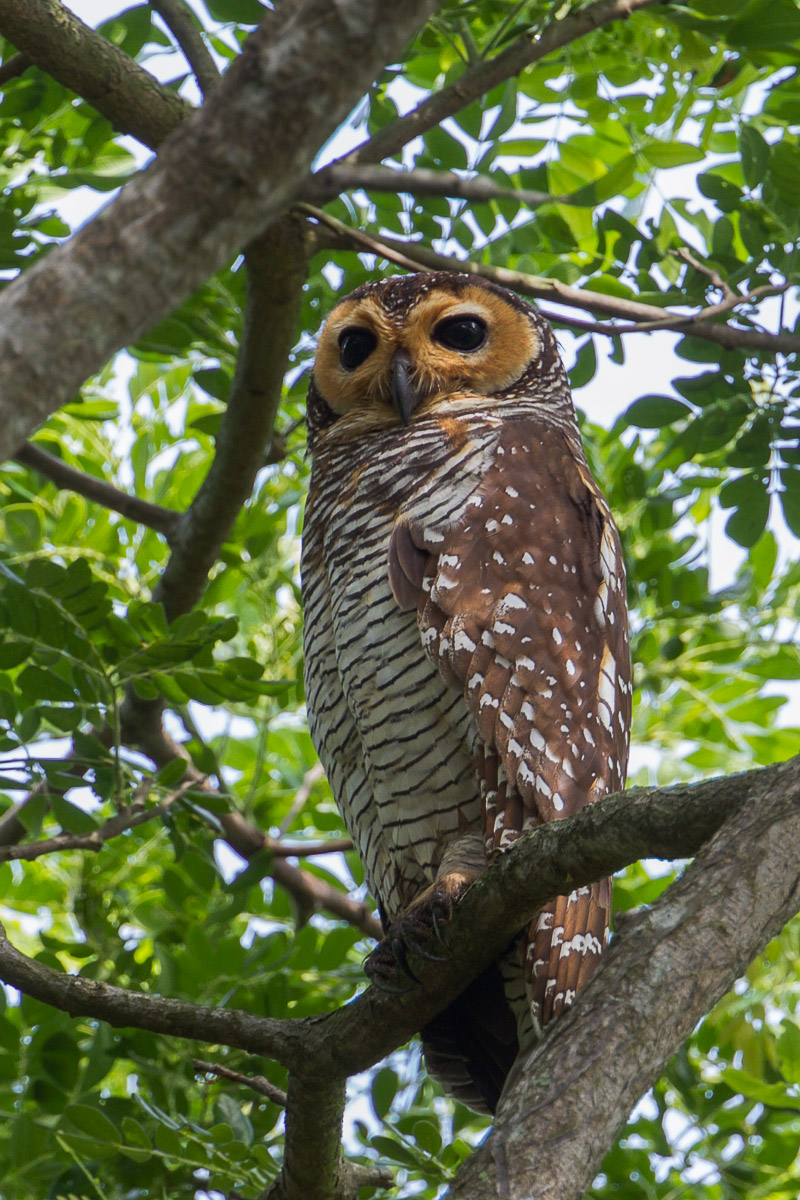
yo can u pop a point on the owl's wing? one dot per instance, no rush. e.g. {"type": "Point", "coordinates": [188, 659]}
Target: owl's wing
{"type": "Point", "coordinates": [521, 604]}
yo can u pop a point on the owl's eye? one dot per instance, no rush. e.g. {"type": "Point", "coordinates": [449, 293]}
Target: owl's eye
{"type": "Point", "coordinates": [461, 333]}
{"type": "Point", "coordinates": [355, 347]}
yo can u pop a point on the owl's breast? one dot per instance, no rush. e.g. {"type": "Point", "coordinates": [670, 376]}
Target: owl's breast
{"type": "Point", "coordinates": [396, 741]}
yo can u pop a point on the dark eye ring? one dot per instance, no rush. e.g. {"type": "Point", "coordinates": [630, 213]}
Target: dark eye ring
{"type": "Point", "coordinates": [461, 333]}
{"type": "Point", "coordinates": [355, 346]}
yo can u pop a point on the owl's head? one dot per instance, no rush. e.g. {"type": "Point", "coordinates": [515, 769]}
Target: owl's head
{"type": "Point", "coordinates": [402, 347]}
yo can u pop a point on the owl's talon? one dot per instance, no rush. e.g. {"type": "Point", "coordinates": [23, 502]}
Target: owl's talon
{"type": "Point", "coordinates": [399, 951]}
{"type": "Point", "coordinates": [422, 952]}
{"type": "Point", "coordinates": [386, 967]}
{"type": "Point", "coordinates": [441, 912]}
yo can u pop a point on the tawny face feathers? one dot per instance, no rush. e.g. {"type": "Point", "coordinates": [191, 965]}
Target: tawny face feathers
{"type": "Point", "coordinates": [437, 336]}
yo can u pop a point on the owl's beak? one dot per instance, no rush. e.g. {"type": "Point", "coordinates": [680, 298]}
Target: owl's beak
{"type": "Point", "coordinates": [404, 394]}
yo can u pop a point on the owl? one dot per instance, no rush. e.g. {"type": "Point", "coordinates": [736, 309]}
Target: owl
{"type": "Point", "coordinates": [466, 647]}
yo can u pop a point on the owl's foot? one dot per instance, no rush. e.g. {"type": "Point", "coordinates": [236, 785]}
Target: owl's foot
{"type": "Point", "coordinates": [415, 932]}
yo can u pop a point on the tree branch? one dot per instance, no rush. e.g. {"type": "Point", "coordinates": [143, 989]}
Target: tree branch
{"type": "Point", "coordinates": [276, 272]}
{"type": "Point", "coordinates": [125, 819]}
{"type": "Point", "coordinates": [257, 1083]}
{"type": "Point", "coordinates": [183, 25]}
{"type": "Point", "coordinates": [237, 165]}
{"type": "Point", "coordinates": [330, 181]}
{"type": "Point", "coordinates": [163, 520]}
{"type": "Point", "coordinates": [661, 976]}
{"type": "Point", "coordinates": [413, 256]}
{"type": "Point", "coordinates": [485, 74]}
{"type": "Point", "coordinates": [51, 36]}
{"type": "Point", "coordinates": [13, 67]}
{"type": "Point", "coordinates": [141, 1010]}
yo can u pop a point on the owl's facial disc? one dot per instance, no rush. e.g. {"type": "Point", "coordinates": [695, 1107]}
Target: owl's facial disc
{"type": "Point", "coordinates": [447, 342]}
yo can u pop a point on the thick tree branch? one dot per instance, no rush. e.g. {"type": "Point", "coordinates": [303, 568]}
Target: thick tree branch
{"type": "Point", "coordinates": [238, 163]}
{"type": "Point", "coordinates": [183, 25]}
{"type": "Point", "coordinates": [154, 516]}
{"type": "Point", "coordinates": [276, 272]}
{"type": "Point", "coordinates": [483, 75]}
{"type": "Point", "coordinates": [413, 256]}
{"type": "Point", "coordinates": [574, 854]}
{"type": "Point", "coordinates": [662, 975]}
{"type": "Point", "coordinates": [58, 42]}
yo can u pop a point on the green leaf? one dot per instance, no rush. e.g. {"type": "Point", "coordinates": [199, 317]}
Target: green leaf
{"type": "Point", "coordinates": [71, 818]}
{"type": "Point", "coordinates": [38, 684]}
{"type": "Point", "coordinates": [92, 1122]}
{"type": "Point", "coordinates": [790, 498]}
{"type": "Point", "coordinates": [215, 381]}
{"type": "Point", "coordinates": [755, 155]}
{"type": "Point", "coordinates": [585, 367]}
{"type": "Point", "coordinates": [246, 12]}
{"type": "Point", "coordinates": [60, 1058]}
{"type": "Point", "coordinates": [769, 26]}
{"type": "Point", "coordinates": [172, 773]}
{"type": "Point", "coordinates": [671, 154]}
{"type": "Point", "coordinates": [787, 1048]}
{"type": "Point", "coordinates": [653, 412]}
{"type": "Point", "coordinates": [13, 653]}
{"type": "Point", "coordinates": [385, 1086]}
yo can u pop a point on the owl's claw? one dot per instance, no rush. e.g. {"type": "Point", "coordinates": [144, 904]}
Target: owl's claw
{"type": "Point", "coordinates": [441, 910]}
{"type": "Point", "coordinates": [412, 933]}
{"type": "Point", "coordinates": [387, 966]}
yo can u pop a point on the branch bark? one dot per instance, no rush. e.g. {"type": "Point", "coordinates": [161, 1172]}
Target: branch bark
{"type": "Point", "coordinates": [330, 181]}
{"type": "Point", "coordinates": [183, 25]}
{"type": "Point", "coordinates": [661, 976]}
{"type": "Point", "coordinates": [154, 516]}
{"type": "Point", "coordinates": [48, 34]}
{"type": "Point", "coordinates": [237, 164]}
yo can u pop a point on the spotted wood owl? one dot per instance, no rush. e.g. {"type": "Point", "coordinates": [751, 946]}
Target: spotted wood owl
{"type": "Point", "coordinates": [467, 662]}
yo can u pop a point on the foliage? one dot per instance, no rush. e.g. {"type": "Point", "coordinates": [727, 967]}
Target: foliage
{"type": "Point", "coordinates": [675, 129]}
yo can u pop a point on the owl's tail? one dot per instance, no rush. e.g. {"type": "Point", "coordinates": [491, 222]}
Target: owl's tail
{"type": "Point", "coordinates": [472, 1045]}
{"type": "Point", "coordinates": [565, 943]}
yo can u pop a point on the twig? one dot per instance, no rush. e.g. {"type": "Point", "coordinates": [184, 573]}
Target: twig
{"type": "Point", "coordinates": [12, 826]}
{"type": "Point", "coordinates": [163, 520]}
{"type": "Point", "coordinates": [480, 78]}
{"type": "Point", "coordinates": [182, 24]}
{"type": "Point", "coordinates": [48, 34]}
{"type": "Point", "coordinates": [421, 182]}
{"type": "Point", "coordinates": [258, 1083]}
{"type": "Point", "coordinates": [13, 67]}
{"type": "Point", "coordinates": [312, 776]}
{"type": "Point", "coordinates": [356, 237]}
{"type": "Point", "coordinates": [127, 818]}
{"type": "Point", "coordinates": [710, 273]}
{"type": "Point", "coordinates": [643, 317]}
